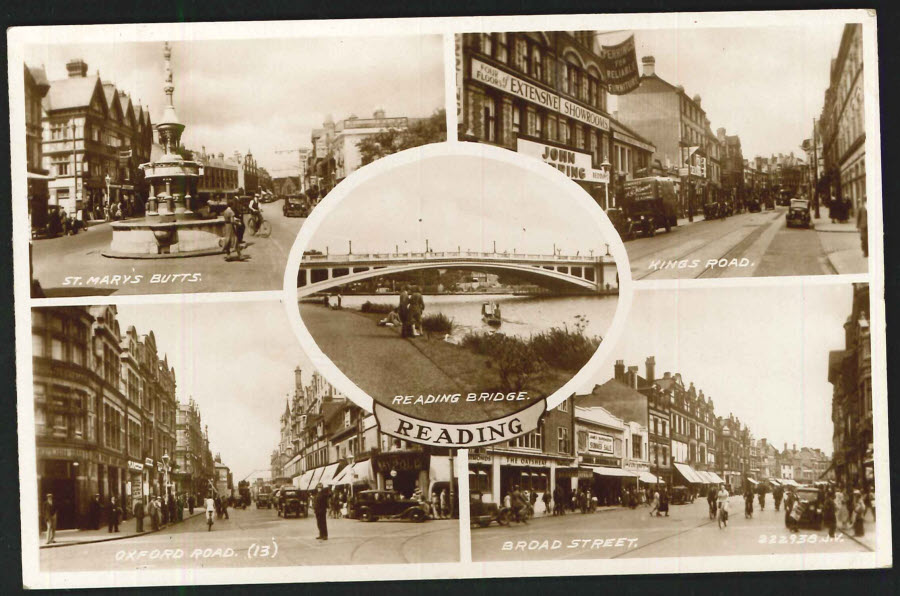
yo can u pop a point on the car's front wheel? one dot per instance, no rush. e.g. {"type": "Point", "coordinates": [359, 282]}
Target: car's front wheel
{"type": "Point", "coordinates": [367, 516]}
{"type": "Point", "coordinates": [417, 515]}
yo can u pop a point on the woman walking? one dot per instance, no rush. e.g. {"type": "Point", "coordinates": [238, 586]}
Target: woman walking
{"type": "Point", "coordinates": [231, 240]}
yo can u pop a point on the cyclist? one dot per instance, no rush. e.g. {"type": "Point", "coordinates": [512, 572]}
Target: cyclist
{"type": "Point", "coordinates": [255, 212]}
{"type": "Point", "coordinates": [210, 510]}
{"type": "Point", "coordinates": [722, 501]}
{"type": "Point", "coordinates": [519, 505]}
{"type": "Point", "coordinates": [711, 499]}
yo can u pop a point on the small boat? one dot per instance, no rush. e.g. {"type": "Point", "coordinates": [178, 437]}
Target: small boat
{"type": "Point", "coordinates": [490, 314]}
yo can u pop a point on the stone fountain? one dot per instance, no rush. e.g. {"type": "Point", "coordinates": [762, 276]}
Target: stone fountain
{"type": "Point", "coordinates": [171, 227]}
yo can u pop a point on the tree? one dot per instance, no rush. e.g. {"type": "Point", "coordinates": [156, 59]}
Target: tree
{"type": "Point", "coordinates": [432, 129]}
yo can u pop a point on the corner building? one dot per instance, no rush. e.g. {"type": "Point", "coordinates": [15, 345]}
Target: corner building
{"type": "Point", "coordinates": [542, 94]}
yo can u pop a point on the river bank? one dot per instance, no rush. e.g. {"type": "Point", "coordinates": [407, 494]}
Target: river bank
{"type": "Point", "coordinates": [385, 366]}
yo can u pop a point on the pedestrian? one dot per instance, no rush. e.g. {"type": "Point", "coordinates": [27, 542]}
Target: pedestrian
{"type": "Point", "coordinates": [859, 515]}
{"type": "Point", "coordinates": [224, 505]}
{"type": "Point", "coordinates": [416, 308]}
{"type": "Point", "coordinates": [862, 224]}
{"type": "Point", "coordinates": [179, 507]}
{"type": "Point", "coordinates": [436, 504]}
{"type": "Point", "coordinates": [788, 506]}
{"type": "Point", "coordinates": [445, 504]}
{"type": "Point", "coordinates": [828, 514]}
{"type": "Point", "coordinates": [191, 503]}
{"type": "Point", "coordinates": [112, 515]}
{"type": "Point", "coordinates": [232, 241]}
{"type": "Point", "coordinates": [320, 506]}
{"type": "Point", "coordinates": [558, 498]}
{"type": "Point", "coordinates": [94, 509]}
{"type": "Point", "coordinates": [403, 312]}
{"type": "Point", "coordinates": [546, 499]}
{"type": "Point", "coordinates": [170, 504]}
{"type": "Point", "coordinates": [748, 503]}
{"type": "Point", "coordinates": [869, 500]}
{"type": "Point", "coordinates": [778, 493]}
{"type": "Point", "coordinates": [49, 515]}
{"type": "Point", "coordinates": [722, 507]}
{"type": "Point", "coordinates": [138, 511]}
{"type": "Point", "coordinates": [663, 501]}
{"type": "Point", "coordinates": [840, 505]}
{"type": "Point", "coordinates": [654, 505]}
{"type": "Point", "coordinates": [153, 510]}
{"type": "Point", "coordinates": [762, 497]}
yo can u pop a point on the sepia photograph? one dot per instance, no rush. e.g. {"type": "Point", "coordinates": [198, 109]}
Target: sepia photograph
{"type": "Point", "coordinates": [200, 436]}
{"type": "Point", "coordinates": [677, 451]}
{"type": "Point", "coordinates": [458, 288]}
{"type": "Point", "coordinates": [732, 152]}
{"type": "Point", "coordinates": [163, 168]}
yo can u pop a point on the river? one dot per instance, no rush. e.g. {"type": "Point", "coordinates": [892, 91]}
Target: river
{"type": "Point", "coordinates": [522, 315]}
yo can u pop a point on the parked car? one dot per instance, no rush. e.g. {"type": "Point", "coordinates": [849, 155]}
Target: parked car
{"type": "Point", "coordinates": [754, 206]}
{"type": "Point", "coordinates": [292, 501]}
{"type": "Point", "coordinates": [621, 222]}
{"type": "Point", "coordinates": [799, 214]}
{"type": "Point", "coordinates": [372, 505]}
{"type": "Point", "coordinates": [268, 197]}
{"type": "Point", "coordinates": [715, 210]}
{"type": "Point", "coordinates": [810, 507]}
{"type": "Point", "coordinates": [681, 495]}
{"type": "Point", "coordinates": [482, 513]}
{"type": "Point", "coordinates": [295, 206]}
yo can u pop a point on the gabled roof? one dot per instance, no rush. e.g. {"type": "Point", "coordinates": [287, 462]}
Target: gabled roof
{"type": "Point", "coordinates": [617, 398]}
{"type": "Point", "coordinates": [38, 75]}
{"type": "Point", "coordinates": [75, 92]}
{"type": "Point", "coordinates": [112, 100]}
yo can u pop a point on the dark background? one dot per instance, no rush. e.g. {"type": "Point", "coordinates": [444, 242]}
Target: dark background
{"type": "Point", "coordinates": [61, 12]}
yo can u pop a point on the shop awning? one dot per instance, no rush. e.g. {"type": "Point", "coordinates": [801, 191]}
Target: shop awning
{"type": "Point", "coordinates": [774, 481]}
{"type": "Point", "coordinates": [789, 482]}
{"type": "Point", "coordinates": [302, 482]}
{"type": "Point", "coordinates": [752, 480]}
{"type": "Point", "coordinates": [618, 472]}
{"type": "Point", "coordinates": [329, 473]}
{"type": "Point", "coordinates": [689, 474]}
{"type": "Point", "coordinates": [360, 472]}
{"type": "Point", "coordinates": [716, 478]}
{"type": "Point", "coordinates": [317, 475]}
{"type": "Point", "coordinates": [648, 478]}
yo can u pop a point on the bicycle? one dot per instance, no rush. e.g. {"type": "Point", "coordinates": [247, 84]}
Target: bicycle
{"type": "Point", "coordinates": [722, 516]}
{"type": "Point", "coordinates": [259, 226]}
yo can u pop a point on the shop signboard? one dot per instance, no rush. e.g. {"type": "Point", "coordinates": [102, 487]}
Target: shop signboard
{"type": "Point", "coordinates": [574, 164]}
{"type": "Point", "coordinates": [482, 458]}
{"type": "Point", "coordinates": [135, 465]}
{"type": "Point", "coordinates": [148, 462]}
{"type": "Point", "coordinates": [500, 79]}
{"type": "Point", "coordinates": [411, 461]}
{"type": "Point", "coordinates": [600, 443]}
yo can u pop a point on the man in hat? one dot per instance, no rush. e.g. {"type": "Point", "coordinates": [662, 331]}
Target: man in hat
{"type": "Point", "coordinates": [320, 506]}
{"type": "Point", "coordinates": [48, 512]}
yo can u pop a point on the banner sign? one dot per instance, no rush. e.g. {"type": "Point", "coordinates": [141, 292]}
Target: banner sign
{"type": "Point", "coordinates": [500, 79]}
{"type": "Point", "coordinates": [574, 164]}
{"type": "Point", "coordinates": [441, 434]}
{"type": "Point", "coordinates": [598, 443]}
{"type": "Point", "coordinates": [620, 67]}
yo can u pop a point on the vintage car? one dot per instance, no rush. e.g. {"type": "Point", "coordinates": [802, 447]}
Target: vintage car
{"type": "Point", "coordinates": [621, 222]}
{"type": "Point", "coordinates": [798, 214]}
{"type": "Point", "coordinates": [810, 507]}
{"type": "Point", "coordinates": [268, 197]}
{"type": "Point", "coordinates": [681, 495]}
{"type": "Point", "coordinates": [754, 205]}
{"type": "Point", "coordinates": [650, 203]}
{"type": "Point", "coordinates": [264, 498]}
{"type": "Point", "coordinates": [292, 501]}
{"type": "Point", "coordinates": [482, 513]}
{"type": "Point", "coordinates": [372, 505]}
{"type": "Point", "coordinates": [295, 206]}
{"type": "Point", "coordinates": [715, 210]}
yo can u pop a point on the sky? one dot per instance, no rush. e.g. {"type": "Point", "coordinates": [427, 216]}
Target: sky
{"type": "Point", "coordinates": [760, 353]}
{"type": "Point", "coordinates": [764, 84]}
{"type": "Point", "coordinates": [266, 95]}
{"type": "Point", "coordinates": [237, 360]}
{"type": "Point", "coordinates": [458, 201]}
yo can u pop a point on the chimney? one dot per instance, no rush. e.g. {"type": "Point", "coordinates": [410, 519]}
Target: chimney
{"type": "Point", "coordinates": [650, 365]}
{"type": "Point", "coordinates": [697, 99]}
{"type": "Point", "coordinates": [785, 447]}
{"type": "Point", "coordinates": [794, 447]}
{"type": "Point", "coordinates": [632, 376]}
{"type": "Point", "coordinates": [77, 68]}
{"type": "Point", "coordinates": [221, 156]}
{"type": "Point", "coordinates": [649, 63]}
{"type": "Point", "coordinates": [720, 134]}
{"type": "Point", "coordinates": [619, 371]}
{"type": "Point", "coordinates": [379, 113]}
{"type": "Point", "coordinates": [298, 377]}
{"type": "Point", "coordinates": [667, 375]}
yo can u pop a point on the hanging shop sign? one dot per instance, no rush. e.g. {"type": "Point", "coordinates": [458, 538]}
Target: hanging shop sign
{"type": "Point", "coordinates": [620, 67]}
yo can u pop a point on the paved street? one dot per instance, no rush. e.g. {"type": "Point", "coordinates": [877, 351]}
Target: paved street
{"type": "Point", "coordinates": [55, 259]}
{"type": "Point", "coordinates": [687, 531]}
{"type": "Point", "coordinates": [251, 537]}
{"type": "Point", "coordinates": [751, 244]}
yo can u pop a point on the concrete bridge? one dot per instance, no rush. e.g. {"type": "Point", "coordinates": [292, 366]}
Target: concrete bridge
{"type": "Point", "coordinates": [559, 272]}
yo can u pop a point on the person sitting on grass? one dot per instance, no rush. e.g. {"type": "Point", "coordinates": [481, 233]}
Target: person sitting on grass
{"type": "Point", "coordinates": [391, 320]}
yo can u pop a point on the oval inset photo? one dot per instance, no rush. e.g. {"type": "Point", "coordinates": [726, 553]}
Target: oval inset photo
{"type": "Point", "coordinates": [457, 290]}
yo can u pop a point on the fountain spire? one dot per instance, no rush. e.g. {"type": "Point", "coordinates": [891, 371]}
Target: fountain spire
{"type": "Point", "coordinates": [169, 127]}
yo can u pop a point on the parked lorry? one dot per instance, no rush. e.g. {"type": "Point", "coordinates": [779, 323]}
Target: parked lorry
{"type": "Point", "coordinates": [651, 203]}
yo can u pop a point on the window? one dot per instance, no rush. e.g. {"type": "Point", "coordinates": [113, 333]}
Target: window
{"type": "Point", "coordinates": [517, 119]}
{"type": "Point", "coordinates": [57, 351]}
{"type": "Point", "coordinates": [636, 447]}
{"type": "Point", "coordinates": [539, 125]}
{"type": "Point", "coordinates": [532, 440]}
{"type": "Point", "coordinates": [347, 419]}
{"type": "Point", "coordinates": [487, 44]}
{"type": "Point", "coordinates": [563, 443]}
{"type": "Point", "coordinates": [37, 345]}
{"type": "Point", "coordinates": [490, 120]}
{"type": "Point", "coordinates": [520, 58]}
{"type": "Point", "coordinates": [563, 406]}
{"type": "Point", "coordinates": [501, 54]}
{"type": "Point", "coordinates": [537, 70]}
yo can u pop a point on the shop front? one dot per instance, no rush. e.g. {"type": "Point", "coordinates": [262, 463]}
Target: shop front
{"type": "Point", "coordinates": [64, 472]}
{"type": "Point", "coordinates": [576, 165]}
{"type": "Point", "coordinates": [135, 484]}
{"type": "Point", "coordinates": [402, 471]}
{"type": "Point", "coordinates": [496, 474]}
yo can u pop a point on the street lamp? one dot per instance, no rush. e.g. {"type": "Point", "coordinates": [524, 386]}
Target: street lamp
{"type": "Point", "coordinates": [107, 189]}
{"type": "Point", "coordinates": [165, 458]}
{"type": "Point", "coordinates": [605, 166]}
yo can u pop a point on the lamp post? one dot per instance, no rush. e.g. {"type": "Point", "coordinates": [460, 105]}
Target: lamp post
{"type": "Point", "coordinates": [605, 166]}
{"type": "Point", "coordinates": [108, 179]}
{"type": "Point", "coordinates": [165, 459]}
{"type": "Point", "coordinates": [350, 459]}
{"type": "Point", "coordinates": [74, 165]}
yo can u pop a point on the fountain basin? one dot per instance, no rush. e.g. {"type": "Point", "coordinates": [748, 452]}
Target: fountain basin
{"type": "Point", "coordinates": [149, 238]}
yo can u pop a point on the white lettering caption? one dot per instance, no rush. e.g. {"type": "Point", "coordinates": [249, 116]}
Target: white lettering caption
{"type": "Point", "coordinates": [575, 543]}
{"type": "Point", "coordinates": [125, 280]}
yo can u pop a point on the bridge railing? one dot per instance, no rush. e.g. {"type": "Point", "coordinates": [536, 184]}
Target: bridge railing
{"type": "Point", "coordinates": [463, 254]}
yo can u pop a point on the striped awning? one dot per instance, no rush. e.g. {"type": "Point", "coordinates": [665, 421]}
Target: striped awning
{"type": "Point", "coordinates": [689, 474]}
{"type": "Point", "coordinates": [648, 478]}
{"type": "Point", "coordinates": [617, 472]}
